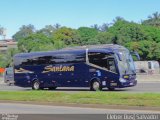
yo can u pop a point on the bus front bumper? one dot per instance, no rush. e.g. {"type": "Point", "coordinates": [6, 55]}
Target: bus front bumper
{"type": "Point", "coordinates": [128, 84]}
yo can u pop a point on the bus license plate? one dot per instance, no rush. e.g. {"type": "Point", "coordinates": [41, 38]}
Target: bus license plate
{"type": "Point", "coordinates": [113, 84]}
{"type": "Point", "coordinates": [104, 83]}
{"type": "Point", "coordinates": [131, 83]}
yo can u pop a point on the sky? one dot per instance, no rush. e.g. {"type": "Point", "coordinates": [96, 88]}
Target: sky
{"type": "Point", "coordinates": [71, 13]}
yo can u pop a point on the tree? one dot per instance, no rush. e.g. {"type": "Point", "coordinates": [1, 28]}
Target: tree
{"type": "Point", "coordinates": [2, 32]}
{"type": "Point", "coordinates": [152, 33]}
{"type": "Point", "coordinates": [57, 26]}
{"type": "Point", "coordinates": [67, 35]}
{"type": "Point", "coordinates": [148, 50]}
{"type": "Point", "coordinates": [95, 26]}
{"type": "Point", "coordinates": [35, 42]}
{"type": "Point", "coordinates": [118, 18]}
{"type": "Point", "coordinates": [6, 60]}
{"type": "Point", "coordinates": [104, 27]}
{"type": "Point", "coordinates": [86, 35]}
{"type": "Point", "coordinates": [48, 30]}
{"type": "Point", "coordinates": [125, 31]}
{"type": "Point", "coordinates": [153, 20]}
{"type": "Point", "coordinates": [24, 32]}
{"type": "Point", "coordinates": [104, 38]}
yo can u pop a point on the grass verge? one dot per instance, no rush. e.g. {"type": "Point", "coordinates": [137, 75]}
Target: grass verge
{"type": "Point", "coordinates": [103, 98]}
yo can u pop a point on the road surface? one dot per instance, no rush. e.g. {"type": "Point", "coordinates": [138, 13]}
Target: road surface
{"type": "Point", "coordinates": [141, 87]}
{"type": "Point", "coordinates": [44, 112]}
{"type": "Point", "coordinates": [17, 108]}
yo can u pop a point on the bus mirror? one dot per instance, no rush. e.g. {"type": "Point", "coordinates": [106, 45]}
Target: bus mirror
{"type": "Point", "coordinates": [135, 53]}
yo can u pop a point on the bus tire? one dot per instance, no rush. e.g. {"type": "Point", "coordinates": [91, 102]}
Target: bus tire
{"type": "Point", "coordinates": [8, 83]}
{"type": "Point", "coordinates": [36, 85]}
{"type": "Point", "coordinates": [52, 88]}
{"type": "Point", "coordinates": [95, 86]}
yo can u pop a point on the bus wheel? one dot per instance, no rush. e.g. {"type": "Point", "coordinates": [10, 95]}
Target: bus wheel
{"type": "Point", "coordinates": [111, 89]}
{"type": "Point", "coordinates": [36, 85]}
{"type": "Point", "coordinates": [8, 83]}
{"type": "Point", "coordinates": [52, 88]}
{"type": "Point", "coordinates": [95, 86]}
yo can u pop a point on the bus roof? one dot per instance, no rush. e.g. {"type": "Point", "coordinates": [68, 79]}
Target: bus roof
{"type": "Point", "coordinates": [100, 46]}
{"type": "Point", "coordinates": [78, 49]}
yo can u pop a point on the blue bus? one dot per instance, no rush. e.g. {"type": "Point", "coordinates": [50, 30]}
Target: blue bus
{"type": "Point", "coordinates": [95, 66]}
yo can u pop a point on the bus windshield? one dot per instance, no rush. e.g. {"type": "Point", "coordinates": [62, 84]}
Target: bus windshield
{"type": "Point", "coordinates": [126, 64]}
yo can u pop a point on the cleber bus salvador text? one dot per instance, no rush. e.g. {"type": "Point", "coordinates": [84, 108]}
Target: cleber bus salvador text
{"type": "Point", "coordinates": [95, 66]}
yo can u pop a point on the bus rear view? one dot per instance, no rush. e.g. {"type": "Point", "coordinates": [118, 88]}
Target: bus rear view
{"type": "Point", "coordinates": [105, 66]}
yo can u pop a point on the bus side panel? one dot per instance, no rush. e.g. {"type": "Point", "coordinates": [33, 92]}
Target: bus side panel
{"type": "Point", "coordinates": [76, 78]}
{"type": "Point", "coordinates": [21, 79]}
{"type": "Point", "coordinates": [24, 75]}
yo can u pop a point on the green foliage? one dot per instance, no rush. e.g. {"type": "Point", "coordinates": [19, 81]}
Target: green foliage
{"type": "Point", "coordinates": [152, 33]}
{"type": "Point", "coordinates": [35, 42]}
{"type": "Point", "coordinates": [86, 35]}
{"type": "Point", "coordinates": [6, 60]}
{"type": "Point", "coordinates": [127, 31]}
{"type": "Point", "coordinates": [148, 50]}
{"type": "Point", "coordinates": [104, 38]}
{"type": "Point", "coordinates": [67, 35]}
{"type": "Point", "coordinates": [153, 20]}
{"type": "Point", "coordinates": [48, 30]}
{"type": "Point", "coordinates": [24, 31]}
{"type": "Point", "coordinates": [58, 44]}
{"type": "Point", "coordinates": [144, 37]}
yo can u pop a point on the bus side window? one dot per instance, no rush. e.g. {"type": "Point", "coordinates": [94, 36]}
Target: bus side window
{"type": "Point", "coordinates": [96, 58]}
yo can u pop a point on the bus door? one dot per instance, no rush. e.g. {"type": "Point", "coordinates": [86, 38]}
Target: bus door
{"type": "Point", "coordinates": [80, 75]}
{"type": "Point", "coordinates": [112, 74]}
{"type": "Point", "coordinates": [111, 65]}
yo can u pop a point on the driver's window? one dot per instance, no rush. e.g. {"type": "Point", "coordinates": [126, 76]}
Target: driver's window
{"type": "Point", "coordinates": [100, 59]}
{"type": "Point", "coordinates": [111, 65]}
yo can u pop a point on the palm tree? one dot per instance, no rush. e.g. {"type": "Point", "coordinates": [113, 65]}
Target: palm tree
{"type": "Point", "coordinates": [2, 32]}
{"type": "Point", "coordinates": [153, 20]}
{"type": "Point", "coordinates": [118, 18]}
{"type": "Point", "coordinates": [95, 26]}
{"type": "Point", "coordinates": [57, 26]}
{"type": "Point", "coordinates": [104, 27]}
{"type": "Point", "coordinates": [154, 16]}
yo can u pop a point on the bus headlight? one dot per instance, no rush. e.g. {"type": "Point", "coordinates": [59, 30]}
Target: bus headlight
{"type": "Point", "coordinates": [122, 80]}
{"type": "Point", "coordinates": [126, 76]}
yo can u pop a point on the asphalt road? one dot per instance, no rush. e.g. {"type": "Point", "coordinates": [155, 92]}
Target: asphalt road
{"type": "Point", "coordinates": [141, 87]}
{"type": "Point", "coordinates": [17, 108]}
{"type": "Point", "coordinates": [44, 112]}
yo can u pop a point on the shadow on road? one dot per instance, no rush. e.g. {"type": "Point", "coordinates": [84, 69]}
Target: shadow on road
{"type": "Point", "coordinates": [87, 90]}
